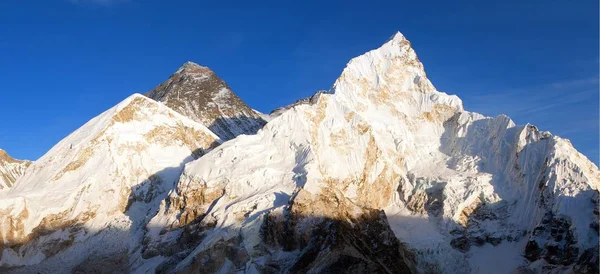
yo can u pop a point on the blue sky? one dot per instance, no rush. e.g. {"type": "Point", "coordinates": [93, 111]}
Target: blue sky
{"type": "Point", "coordinates": [62, 62]}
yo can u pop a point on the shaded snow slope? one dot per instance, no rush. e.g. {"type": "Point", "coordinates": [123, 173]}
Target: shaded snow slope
{"type": "Point", "coordinates": [198, 93]}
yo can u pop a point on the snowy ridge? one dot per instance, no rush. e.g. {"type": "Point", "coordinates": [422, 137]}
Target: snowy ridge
{"type": "Point", "coordinates": [10, 169]}
{"type": "Point", "coordinates": [309, 100]}
{"type": "Point", "coordinates": [96, 178]}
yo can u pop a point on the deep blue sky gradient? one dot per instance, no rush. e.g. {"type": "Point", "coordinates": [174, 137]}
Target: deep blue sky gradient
{"type": "Point", "coordinates": [62, 62]}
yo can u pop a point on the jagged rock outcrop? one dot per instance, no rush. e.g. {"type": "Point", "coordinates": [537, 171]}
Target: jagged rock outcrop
{"type": "Point", "coordinates": [10, 169]}
{"type": "Point", "coordinates": [198, 93]}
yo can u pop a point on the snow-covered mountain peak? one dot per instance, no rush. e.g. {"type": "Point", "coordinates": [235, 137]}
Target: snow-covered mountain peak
{"type": "Point", "coordinates": [111, 128]}
{"type": "Point", "coordinates": [398, 36]}
{"type": "Point", "coordinates": [385, 77]}
{"type": "Point", "coordinates": [108, 173]}
{"type": "Point", "coordinates": [391, 75]}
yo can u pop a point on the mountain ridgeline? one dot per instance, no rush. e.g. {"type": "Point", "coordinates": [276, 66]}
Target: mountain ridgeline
{"type": "Point", "coordinates": [383, 173]}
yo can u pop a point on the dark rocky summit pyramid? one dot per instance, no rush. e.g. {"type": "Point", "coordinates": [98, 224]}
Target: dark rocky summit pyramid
{"type": "Point", "coordinates": [198, 93]}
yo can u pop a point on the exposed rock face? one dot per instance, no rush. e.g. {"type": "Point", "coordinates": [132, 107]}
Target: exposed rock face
{"type": "Point", "coordinates": [554, 240]}
{"type": "Point", "coordinates": [588, 261]}
{"type": "Point", "coordinates": [198, 93]}
{"type": "Point", "coordinates": [10, 169]}
{"type": "Point", "coordinates": [334, 236]}
{"type": "Point", "coordinates": [314, 234]}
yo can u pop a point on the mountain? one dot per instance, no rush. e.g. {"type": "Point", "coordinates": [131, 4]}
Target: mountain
{"type": "Point", "coordinates": [10, 169]}
{"type": "Point", "coordinates": [383, 173]}
{"type": "Point", "coordinates": [87, 196]}
{"type": "Point", "coordinates": [198, 93]}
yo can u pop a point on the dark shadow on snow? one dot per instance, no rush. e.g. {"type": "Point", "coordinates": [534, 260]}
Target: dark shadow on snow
{"type": "Point", "coordinates": [229, 128]}
{"type": "Point", "coordinates": [514, 168]}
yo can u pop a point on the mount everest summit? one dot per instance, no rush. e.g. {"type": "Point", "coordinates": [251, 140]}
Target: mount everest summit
{"type": "Point", "coordinates": [381, 174]}
{"type": "Point", "coordinates": [198, 93]}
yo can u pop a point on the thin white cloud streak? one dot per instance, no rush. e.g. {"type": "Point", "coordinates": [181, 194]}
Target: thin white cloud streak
{"type": "Point", "coordinates": [527, 101]}
{"type": "Point", "coordinates": [98, 2]}
{"type": "Point", "coordinates": [568, 107]}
